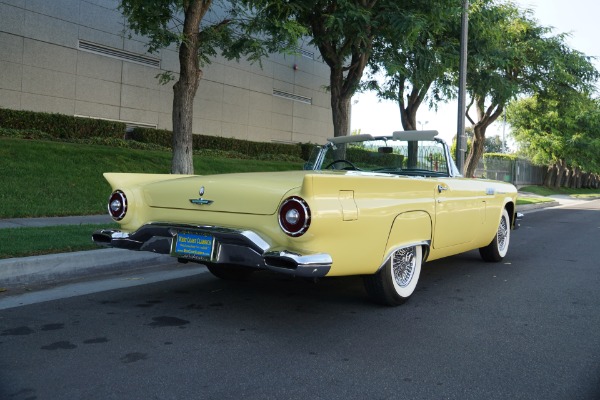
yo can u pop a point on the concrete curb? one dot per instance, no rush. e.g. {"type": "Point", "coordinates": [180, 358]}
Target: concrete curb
{"type": "Point", "coordinates": [68, 266]}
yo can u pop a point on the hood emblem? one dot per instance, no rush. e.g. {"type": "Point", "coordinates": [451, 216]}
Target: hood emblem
{"type": "Point", "coordinates": [201, 201]}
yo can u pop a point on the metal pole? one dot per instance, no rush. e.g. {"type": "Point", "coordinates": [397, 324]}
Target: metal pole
{"type": "Point", "coordinates": [504, 148]}
{"type": "Point", "coordinates": [461, 142]}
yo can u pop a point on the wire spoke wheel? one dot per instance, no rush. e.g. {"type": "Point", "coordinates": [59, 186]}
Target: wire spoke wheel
{"type": "Point", "coordinates": [498, 247]}
{"type": "Point", "coordinates": [503, 235]}
{"type": "Point", "coordinates": [403, 266]}
{"type": "Point", "coordinates": [397, 279]}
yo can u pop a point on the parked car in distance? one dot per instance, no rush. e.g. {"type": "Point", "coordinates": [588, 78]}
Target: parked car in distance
{"type": "Point", "coordinates": [376, 206]}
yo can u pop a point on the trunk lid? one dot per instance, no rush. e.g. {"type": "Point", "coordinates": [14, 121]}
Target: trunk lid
{"type": "Point", "coordinates": [247, 193]}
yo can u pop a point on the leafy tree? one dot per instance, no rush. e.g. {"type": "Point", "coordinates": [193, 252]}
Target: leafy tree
{"type": "Point", "coordinates": [422, 67]}
{"type": "Point", "coordinates": [413, 64]}
{"type": "Point", "coordinates": [493, 145]}
{"type": "Point", "coordinates": [511, 54]}
{"type": "Point", "coordinates": [344, 31]}
{"type": "Point", "coordinates": [560, 130]}
{"type": "Point", "coordinates": [232, 31]}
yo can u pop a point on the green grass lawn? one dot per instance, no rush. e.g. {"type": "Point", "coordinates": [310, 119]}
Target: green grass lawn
{"type": "Point", "coordinates": [40, 179]}
{"type": "Point", "coordinates": [576, 193]}
{"type": "Point", "coordinates": [533, 200]}
{"type": "Point", "coordinates": [47, 240]}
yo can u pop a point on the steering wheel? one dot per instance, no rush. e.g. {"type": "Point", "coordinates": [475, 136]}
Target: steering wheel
{"type": "Point", "coordinates": [331, 164]}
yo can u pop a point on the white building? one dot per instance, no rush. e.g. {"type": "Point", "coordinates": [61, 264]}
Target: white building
{"type": "Point", "coordinates": [74, 57]}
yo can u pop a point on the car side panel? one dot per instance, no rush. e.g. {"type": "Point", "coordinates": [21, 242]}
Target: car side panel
{"type": "Point", "coordinates": [353, 218]}
{"type": "Point", "coordinates": [409, 228]}
{"type": "Point", "coordinates": [460, 212]}
{"type": "Point", "coordinates": [482, 226]}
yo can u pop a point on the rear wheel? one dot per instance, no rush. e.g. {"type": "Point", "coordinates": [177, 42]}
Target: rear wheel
{"type": "Point", "coordinates": [230, 272]}
{"type": "Point", "coordinates": [498, 247]}
{"type": "Point", "coordinates": [396, 281]}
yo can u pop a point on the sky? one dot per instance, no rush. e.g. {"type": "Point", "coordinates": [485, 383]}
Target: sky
{"type": "Point", "coordinates": [579, 18]}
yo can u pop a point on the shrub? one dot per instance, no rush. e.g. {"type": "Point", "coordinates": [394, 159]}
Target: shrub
{"type": "Point", "coordinates": [47, 126]}
{"type": "Point", "coordinates": [257, 150]}
{"type": "Point", "coordinates": [61, 126]}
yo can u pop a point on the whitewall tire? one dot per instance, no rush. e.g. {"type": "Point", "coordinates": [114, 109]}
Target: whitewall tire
{"type": "Point", "coordinates": [396, 281]}
{"type": "Point", "coordinates": [498, 247]}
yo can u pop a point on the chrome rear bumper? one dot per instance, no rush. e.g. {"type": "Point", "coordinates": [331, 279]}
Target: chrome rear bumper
{"type": "Point", "coordinates": [231, 246]}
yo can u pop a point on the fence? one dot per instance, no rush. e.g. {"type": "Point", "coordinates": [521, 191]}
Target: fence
{"type": "Point", "coordinates": [519, 172]}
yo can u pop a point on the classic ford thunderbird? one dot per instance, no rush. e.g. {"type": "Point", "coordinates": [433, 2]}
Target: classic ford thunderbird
{"type": "Point", "coordinates": [376, 206]}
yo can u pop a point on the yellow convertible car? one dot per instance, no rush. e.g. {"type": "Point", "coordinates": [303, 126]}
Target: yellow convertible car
{"type": "Point", "coordinates": [376, 206]}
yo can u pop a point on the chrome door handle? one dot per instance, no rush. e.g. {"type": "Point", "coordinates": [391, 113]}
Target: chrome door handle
{"type": "Point", "coordinates": [442, 188]}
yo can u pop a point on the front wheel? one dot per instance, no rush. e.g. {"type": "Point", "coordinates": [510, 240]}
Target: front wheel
{"type": "Point", "coordinates": [396, 281]}
{"type": "Point", "coordinates": [498, 247]}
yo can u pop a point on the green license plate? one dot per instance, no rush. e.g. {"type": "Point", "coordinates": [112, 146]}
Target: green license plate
{"type": "Point", "coordinates": [193, 245]}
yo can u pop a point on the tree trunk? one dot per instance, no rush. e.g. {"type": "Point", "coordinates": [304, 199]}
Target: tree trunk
{"type": "Point", "coordinates": [343, 80]}
{"type": "Point", "coordinates": [550, 173]}
{"type": "Point", "coordinates": [485, 117]}
{"type": "Point", "coordinates": [185, 88]}
{"type": "Point", "coordinates": [568, 177]}
{"type": "Point", "coordinates": [340, 111]}
{"type": "Point", "coordinates": [561, 167]}
{"type": "Point", "coordinates": [183, 112]}
{"type": "Point", "coordinates": [584, 180]}
{"type": "Point", "coordinates": [408, 117]}
{"type": "Point", "coordinates": [476, 151]}
{"type": "Point", "coordinates": [576, 184]}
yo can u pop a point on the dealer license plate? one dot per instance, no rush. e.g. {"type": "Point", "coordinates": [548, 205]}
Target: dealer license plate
{"type": "Point", "coordinates": [193, 245]}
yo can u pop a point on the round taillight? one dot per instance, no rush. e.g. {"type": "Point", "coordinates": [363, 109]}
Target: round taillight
{"type": "Point", "coordinates": [117, 205]}
{"type": "Point", "coordinates": [294, 216]}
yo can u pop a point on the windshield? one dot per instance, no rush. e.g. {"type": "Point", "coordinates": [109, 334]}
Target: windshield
{"type": "Point", "coordinates": [384, 155]}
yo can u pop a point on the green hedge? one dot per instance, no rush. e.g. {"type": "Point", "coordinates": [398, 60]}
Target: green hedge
{"type": "Point", "coordinates": [61, 126]}
{"type": "Point", "coordinates": [367, 157]}
{"type": "Point", "coordinates": [47, 126]}
{"type": "Point", "coordinates": [201, 142]}
{"type": "Point", "coordinates": [499, 156]}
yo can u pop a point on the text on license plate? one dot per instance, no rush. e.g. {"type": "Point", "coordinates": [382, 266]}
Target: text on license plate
{"type": "Point", "coordinates": [193, 245]}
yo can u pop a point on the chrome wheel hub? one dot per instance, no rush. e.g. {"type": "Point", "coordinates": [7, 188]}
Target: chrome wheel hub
{"type": "Point", "coordinates": [403, 266]}
{"type": "Point", "coordinates": [503, 230]}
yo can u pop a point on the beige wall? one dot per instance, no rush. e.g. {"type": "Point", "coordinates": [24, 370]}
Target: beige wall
{"type": "Point", "coordinates": [42, 68]}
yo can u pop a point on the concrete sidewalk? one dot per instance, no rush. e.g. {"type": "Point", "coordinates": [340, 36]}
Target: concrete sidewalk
{"type": "Point", "coordinates": [53, 268]}
{"type": "Point", "coordinates": [54, 221]}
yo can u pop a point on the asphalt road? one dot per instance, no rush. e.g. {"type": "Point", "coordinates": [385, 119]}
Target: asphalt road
{"type": "Point", "coordinates": [526, 328]}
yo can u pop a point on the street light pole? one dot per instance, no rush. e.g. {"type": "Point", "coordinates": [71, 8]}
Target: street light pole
{"type": "Point", "coordinates": [461, 142]}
